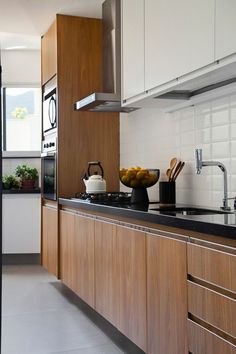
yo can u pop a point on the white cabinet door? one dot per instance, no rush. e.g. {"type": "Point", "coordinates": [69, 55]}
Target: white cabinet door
{"type": "Point", "coordinates": [132, 47]}
{"type": "Point", "coordinates": [21, 223]}
{"type": "Point", "coordinates": [225, 40]}
{"type": "Point", "coordinates": [179, 38]}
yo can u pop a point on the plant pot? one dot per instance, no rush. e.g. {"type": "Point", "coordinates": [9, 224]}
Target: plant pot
{"type": "Point", "coordinates": [28, 184]}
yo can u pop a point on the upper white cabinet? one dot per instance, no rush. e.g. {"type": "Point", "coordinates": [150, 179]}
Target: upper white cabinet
{"type": "Point", "coordinates": [132, 47]}
{"type": "Point", "coordinates": [179, 38]}
{"type": "Point", "coordinates": [225, 42]}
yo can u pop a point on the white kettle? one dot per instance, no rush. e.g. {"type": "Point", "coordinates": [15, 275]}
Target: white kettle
{"type": "Point", "coordinates": [95, 183]}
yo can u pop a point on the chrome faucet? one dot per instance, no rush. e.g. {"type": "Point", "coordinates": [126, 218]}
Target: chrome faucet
{"type": "Point", "coordinates": [200, 163]}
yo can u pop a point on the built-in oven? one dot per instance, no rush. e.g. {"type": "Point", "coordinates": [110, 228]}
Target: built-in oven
{"type": "Point", "coordinates": [50, 106]}
{"type": "Point", "coordinates": [49, 167]}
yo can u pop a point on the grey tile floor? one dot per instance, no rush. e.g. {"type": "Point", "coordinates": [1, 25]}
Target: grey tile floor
{"type": "Point", "coordinates": [40, 316]}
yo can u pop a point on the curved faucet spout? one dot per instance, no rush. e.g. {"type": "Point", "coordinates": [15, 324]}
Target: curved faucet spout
{"type": "Point", "coordinates": [200, 163]}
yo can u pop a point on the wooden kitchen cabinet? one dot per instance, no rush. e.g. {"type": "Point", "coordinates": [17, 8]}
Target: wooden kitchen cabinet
{"type": "Point", "coordinates": [67, 249]}
{"type": "Point", "coordinates": [166, 296]}
{"type": "Point", "coordinates": [106, 280]}
{"type": "Point", "coordinates": [49, 53]}
{"type": "Point", "coordinates": [72, 49]}
{"type": "Point", "coordinates": [131, 270]}
{"type": "Point", "coordinates": [49, 254]}
{"type": "Point", "coordinates": [225, 28]}
{"type": "Point", "coordinates": [132, 47]}
{"type": "Point", "coordinates": [179, 38]}
{"type": "Point", "coordinates": [216, 267]}
{"type": "Point", "coordinates": [84, 249]}
{"type": "Point", "coordinates": [77, 254]}
{"type": "Point", "coordinates": [202, 341]}
{"type": "Point", "coordinates": [211, 298]}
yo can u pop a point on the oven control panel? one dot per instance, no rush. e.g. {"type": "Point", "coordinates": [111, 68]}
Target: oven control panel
{"type": "Point", "coordinates": [49, 144]}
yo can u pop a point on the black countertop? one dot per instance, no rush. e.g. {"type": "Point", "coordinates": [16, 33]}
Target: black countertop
{"type": "Point", "coordinates": [221, 224]}
{"type": "Point", "coordinates": [21, 191]}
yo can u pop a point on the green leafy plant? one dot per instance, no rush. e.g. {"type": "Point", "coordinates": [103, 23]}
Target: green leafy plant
{"type": "Point", "coordinates": [25, 172]}
{"type": "Point", "coordinates": [19, 112]}
{"type": "Point", "coordinates": [10, 182]}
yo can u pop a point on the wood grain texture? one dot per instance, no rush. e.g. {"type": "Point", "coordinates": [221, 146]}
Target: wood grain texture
{"type": "Point", "coordinates": [50, 239]}
{"type": "Point", "coordinates": [131, 267]}
{"type": "Point", "coordinates": [202, 341]}
{"type": "Point", "coordinates": [166, 296]}
{"type": "Point", "coordinates": [49, 53]}
{"type": "Point", "coordinates": [106, 281]}
{"type": "Point", "coordinates": [67, 250]}
{"type": "Point", "coordinates": [84, 253]}
{"type": "Point", "coordinates": [82, 136]}
{"type": "Point", "coordinates": [212, 307]}
{"type": "Point", "coordinates": [213, 266]}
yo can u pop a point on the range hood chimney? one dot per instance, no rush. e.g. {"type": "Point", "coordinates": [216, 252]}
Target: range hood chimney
{"type": "Point", "coordinates": [110, 99]}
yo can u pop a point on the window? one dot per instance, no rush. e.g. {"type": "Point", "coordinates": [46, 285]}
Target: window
{"type": "Point", "coordinates": [21, 119]}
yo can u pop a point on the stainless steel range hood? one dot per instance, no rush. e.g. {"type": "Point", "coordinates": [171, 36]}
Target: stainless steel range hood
{"type": "Point", "coordinates": [110, 99]}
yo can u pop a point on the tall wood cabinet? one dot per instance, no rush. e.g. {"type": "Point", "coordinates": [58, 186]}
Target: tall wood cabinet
{"type": "Point", "coordinates": [72, 50]}
{"type": "Point", "coordinates": [72, 53]}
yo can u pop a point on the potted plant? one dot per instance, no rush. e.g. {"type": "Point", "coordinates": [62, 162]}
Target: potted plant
{"type": "Point", "coordinates": [10, 182]}
{"type": "Point", "coordinates": [27, 175]}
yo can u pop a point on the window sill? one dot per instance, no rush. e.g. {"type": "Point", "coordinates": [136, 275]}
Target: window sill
{"type": "Point", "coordinates": [21, 154]}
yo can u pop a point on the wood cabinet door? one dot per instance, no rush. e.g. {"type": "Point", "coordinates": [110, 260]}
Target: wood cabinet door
{"type": "Point", "coordinates": [50, 239]}
{"type": "Point", "coordinates": [179, 38]}
{"type": "Point", "coordinates": [84, 258]}
{"type": "Point", "coordinates": [49, 53]}
{"type": "Point", "coordinates": [67, 249]}
{"type": "Point", "coordinates": [166, 296]}
{"type": "Point", "coordinates": [131, 269]}
{"type": "Point", "coordinates": [225, 28]}
{"type": "Point", "coordinates": [106, 299]}
{"type": "Point", "coordinates": [132, 47]}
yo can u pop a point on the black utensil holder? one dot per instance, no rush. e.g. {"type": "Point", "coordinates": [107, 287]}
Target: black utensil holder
{"type": "Point", "coordinates": [167, 192]}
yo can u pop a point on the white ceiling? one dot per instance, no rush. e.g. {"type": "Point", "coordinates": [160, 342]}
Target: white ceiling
{"type": "Point", "coordinates": [22, 22]}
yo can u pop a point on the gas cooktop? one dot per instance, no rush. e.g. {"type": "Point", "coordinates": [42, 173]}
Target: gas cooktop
{"type": "Point", "coordinates": [107, 197]}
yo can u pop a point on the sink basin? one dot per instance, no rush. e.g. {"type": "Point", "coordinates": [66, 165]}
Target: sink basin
{"type": "Point", "coordinates": [189, 211]}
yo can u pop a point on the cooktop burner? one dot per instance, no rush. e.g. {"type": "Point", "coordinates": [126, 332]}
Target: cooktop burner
{"type": "Point", "coordinates": [111, 197]}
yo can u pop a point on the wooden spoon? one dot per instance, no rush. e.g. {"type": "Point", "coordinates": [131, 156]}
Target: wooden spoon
{"type": "Point", "coordinates": [168, 173]}
{"type": "Point", "coordinates": [173, 163]}
{"type": "Point", "coordinates": [179, 170]}
{"type": "Point", "coordinates": [173, 177]}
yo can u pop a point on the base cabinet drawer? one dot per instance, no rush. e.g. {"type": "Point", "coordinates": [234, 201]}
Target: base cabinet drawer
{"type": "Point", "coordinates": [216, 309]}
{"type": "Point", "coordinates": [202, 341]}
{"type": "Point", "coordinates": [213, 266]}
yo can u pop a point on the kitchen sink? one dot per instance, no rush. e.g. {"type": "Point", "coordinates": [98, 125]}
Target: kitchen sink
{"type": "Point", "coordinates": [190, 211]}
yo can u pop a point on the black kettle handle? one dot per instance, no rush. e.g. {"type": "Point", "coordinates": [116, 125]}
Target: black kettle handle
{"type": "Point", "coordinates": [95, 163]}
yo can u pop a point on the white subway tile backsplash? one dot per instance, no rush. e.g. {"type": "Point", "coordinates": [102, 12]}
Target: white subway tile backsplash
{"type": "Point", "coordinates": [220, 150]}
{"type": "Point", "coordinates": [220, 133]}
{"type": "Point", "coordinates": [151, 138]}
{"type": "Point", "coordinates": [187, 138]}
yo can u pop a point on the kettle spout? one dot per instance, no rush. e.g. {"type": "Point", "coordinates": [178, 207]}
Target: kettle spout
{"type": "Point", "coordinates": [85, 179]}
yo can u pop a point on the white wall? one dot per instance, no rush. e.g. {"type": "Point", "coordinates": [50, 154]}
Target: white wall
{"type": "Point", "coordinates": [21, 67]}
{"type": "Point", "coordinates": [150, 138]}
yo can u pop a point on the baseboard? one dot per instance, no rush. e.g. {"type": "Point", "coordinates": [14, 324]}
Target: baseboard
{"type": "Point", "coordinates": [20, 258]}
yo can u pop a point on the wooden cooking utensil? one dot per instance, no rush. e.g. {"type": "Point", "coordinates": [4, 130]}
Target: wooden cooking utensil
{"type": "Point", "coordinates": [175, 171]}
{"type": "Point", "coordinates": [173, 163]}
{"type": "Point", "coordinates": [178, 171]}
{"type": "Point", "coordinates": [168, 173]}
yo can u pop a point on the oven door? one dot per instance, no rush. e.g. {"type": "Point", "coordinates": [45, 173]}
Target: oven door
{"type": "Point", "coordinates": [49, 176]}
